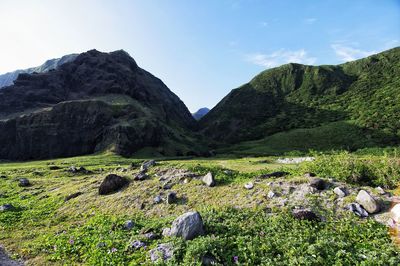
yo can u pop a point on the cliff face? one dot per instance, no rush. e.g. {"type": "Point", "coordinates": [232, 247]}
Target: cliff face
{"type": "Point", "coordinates": [97, 102]}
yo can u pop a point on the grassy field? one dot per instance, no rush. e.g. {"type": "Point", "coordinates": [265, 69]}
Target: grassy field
{"type": "Point", "coordinates": [240, 229]}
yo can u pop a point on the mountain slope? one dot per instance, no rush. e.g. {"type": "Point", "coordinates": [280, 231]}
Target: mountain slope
{"type": "Point", "coordinates": [7, 79]}
{"type": "Point", "coordinates": [293, 96]}
{"type": "Point", "coordinates": [99, 101]}
{"type": "Point", "coordinates": [200, 113]}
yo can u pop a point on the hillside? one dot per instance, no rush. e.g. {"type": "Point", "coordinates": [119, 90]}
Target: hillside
{"type": "Point", "coordinates": [99, 101]}
{"type": "Point", "coordinates": [363, 94]}
{"type": "Point", "coordinates": [7, 79]}
{"type": "Point", "coordinates": [200, 113]}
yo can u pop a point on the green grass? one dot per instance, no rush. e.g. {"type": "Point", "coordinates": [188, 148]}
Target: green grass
{"type": "Point", "coordinates": [42, 226]}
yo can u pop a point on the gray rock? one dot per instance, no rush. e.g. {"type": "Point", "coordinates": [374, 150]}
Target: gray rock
{"type": "Point", "coordinates": [209, 180]}
{"type": "Point", "coordinates": [166, 232]}
{"type": "Point", "coordinates": [380, 190]}
{"type": "Point", "coordinates": [129, 225]}
{"type": "Point", "coordinates": [318, 183]}
{"type": "Point", "coordinates": [137, 244]}
{"type": "Point", "coordinates": [188, 226]}
{"type": "Point", "coordinates": [157, 199]}
{"type": "Point", "coordinates": [6, 207]}
{"type": "Point", "coordinates": [24, 182]}
{"type": "Point", "coordinates": [162, 252]}
{"type": "Point", "coordinates": [249, 185]}
{"type": "Point", "coordinates": [147, 164]}
{"type": "Point", "coordinates": [367, 202]}
{"type": "Point", "coordinates": [208, 259]}
{"type": "Point", "coordinates": [309, 175]}
{"type": "Point", "coordinates": [171, 198]}
{"type": "Point", "coordinates": [357, 209]}
{"type": "Point", "coordinates": [271, 194]}
{"type": "Point", "coordinates": [151, 236]}
{"type": "Point", "coordinates": [112, 183]}
{"type": "Point", "coordinates": [141, 176]}
{"type": "Point", "coordinates": [340, 192]}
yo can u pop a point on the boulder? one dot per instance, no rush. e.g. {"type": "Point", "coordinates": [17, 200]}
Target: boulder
{"type": "Point", "coordinates": [137, 244]}
{"type": "Point", "coordinates": [112, 183]}
{"type": "Point", "coordinates": [357, 209]}
{"type": "Point", "coordinates": [309, 175]}
{"type": "Point", "coordinates": [24, 182]}
{"type": "Point", "coordinates": [162, 252]}
{"type": "Point", "coordinates": [3, 176]}
{"type": "Point", "coordinates": [305, 214]}
{"type": "Point", "coordinates": [171, 198]}
{"type": "Point", "coordinates": [271, 194]}
{"type": "Point", "coordinates": [208, 179]}
{"type": "Point", "coordinates": [151, 236]}
{"type": "Point", "coordinates": [188, 226]}
{"type": "Point", "coordinates": [367, 202]}
{"type": "Point", "coordinates": [340, 192]}
{"type": "Point", "coordinates": [395, 213]}
{"type": "Point", "coordinates": [129, 225]}
{"type": "Point", "coordinates": [318, 183]}
{"type": "Point", "coordinates": [147, 164]}
{"type": "Point", "coordinates": [6, 207]}
{"type": "Point", "coordinates": [157, 199]}
{"type": "Point", "coordinates": [380, 190]}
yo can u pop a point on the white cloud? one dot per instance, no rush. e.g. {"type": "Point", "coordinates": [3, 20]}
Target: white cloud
{"type": "Point", "coordinates": [280, 57]}
{"type": "Point", "coordinates": [347, 53]}
{"type": "Point", "coordinates": [264, 24]}
{"type": "Point", "coordinates": [310, 20]}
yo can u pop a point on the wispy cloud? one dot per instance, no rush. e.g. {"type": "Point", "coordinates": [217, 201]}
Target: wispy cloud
{"type": "Point", "coordinates": [264, 24]}
{"type": "Point", "coordinates": [347, 53]}
{"type": "Point", "coordinates": [310, 20]}
{"type": "Point", "coordinates": [280, 57]}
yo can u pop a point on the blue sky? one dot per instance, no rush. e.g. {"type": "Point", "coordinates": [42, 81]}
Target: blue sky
{"type": "Point", "coordinates": [200, 49]}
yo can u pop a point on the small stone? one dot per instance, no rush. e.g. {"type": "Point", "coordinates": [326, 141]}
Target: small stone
{"type": "Point", "coordinates": [208, 260]}
{"type": "Point", "coordinates": [340, 192]}
{"type": "Point", "coordinates": [305, 214]}
{"type": "Point", "coordinates": [357, 209]}
{"type": "Point", "coordinates": [101, 245]}
{"type": "Point", "coordinates": [157, 199]}
{"type": "Point", "coordinates": [380, 190]}
{"type": "Point", "coordinates": [209, 180]}
{"type": "Point", "coordinates": [367, 201]}
{"type": "Point", "coordinates": [24, 182]}
{"type": "Point", "coordinates": [228, 172]}
{"type": "Point", "coordinates": [162, 252]}
{"type": "Point", "coordinates": [167, 186]}
{"type": "Point", "coordinates": [146, 165]}
{"type": "Point", "coordinates": [129, 225]}
{"type": "Point", "coordinates": [54, 167]}
{"type": "Point", "coordinates": [6, 207]}
{"type": "Point", "coordinates": [150, 236]}
{"type": "Point", "coordinates": [271, 194]}
{"type": "Point", "coordinates": [187, 180]}
{"type": "Point", "coordinates": [141, 176]}
{"type": "Point", "coordinates": [171, 198]}
{"type": "Point", "coordinates": [3, 177]}
{"type": "Point", "coordinates": [318, 183]}
{"type": "Point", "coordinates": [249, 185]}
{"type": "Point", "coordinates": [72, 196]}
{"type": "Point", "coordinates": [166, 232]}
{"type": "Point", "coordinates": [138, 244]}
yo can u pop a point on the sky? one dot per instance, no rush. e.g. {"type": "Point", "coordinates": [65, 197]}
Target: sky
{"type": "Point", "coordinates": [200, 49]}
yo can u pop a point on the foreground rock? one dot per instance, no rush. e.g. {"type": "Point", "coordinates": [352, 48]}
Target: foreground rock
{"type": "Point", "coordinates": [357, 209]}
{"type": "Point", "coordinates": [188, 226]}
{"type": "Point", "coordinates": [6, 207]}
{"type": "Point", "coordinates": [141, 176]}
{"type": "Point", "coordinates": [162, 252]}
{"type": "Point", "coordinates": [24, 182]}
{"type": "Point", "coordinates": [367, 202]}
{"type": "Point", "coordinates": [147, 164]}
{"type": "Point", "coordinates": [340, 192]}
{"type": "Point", "coordinates": [6, 261]}
{"type": "Point", "coordinates": [395, 213]}
{"type": "Point", "coordinates": [209, 180]}
{"type": "Point", "coordinates": [172, 198]}
{"type": "Point", "coordinates": [72, 196]}
{"type": "Point", "coordinates": [112, 183]}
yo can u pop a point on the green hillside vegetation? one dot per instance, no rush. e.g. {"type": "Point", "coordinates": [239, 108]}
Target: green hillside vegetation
{"type": "Point", "coordinates": [296, 96]}
{"type": "Point", "coordinates": [89, 229]}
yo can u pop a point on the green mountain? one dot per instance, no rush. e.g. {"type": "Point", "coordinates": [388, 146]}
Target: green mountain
{"type": "Point", "coordinates": [357, 102]}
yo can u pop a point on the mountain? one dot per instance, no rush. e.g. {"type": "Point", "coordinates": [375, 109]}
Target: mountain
{"type": "Point", "coordinates": [7, 79]}
{"type": "Point", "coordinates": [97, 102]}
{"type": "Point", "coordinates": [363, 96]}
{"type": "Point", "coordinates": [200, 113]}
